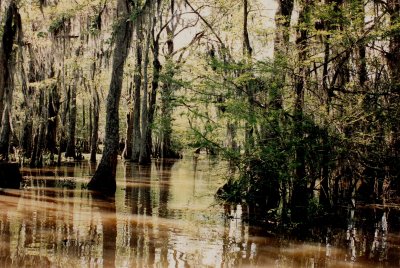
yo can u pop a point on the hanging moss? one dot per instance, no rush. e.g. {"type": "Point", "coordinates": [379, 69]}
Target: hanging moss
{"type": "Point", "coordinates": [58, 24]}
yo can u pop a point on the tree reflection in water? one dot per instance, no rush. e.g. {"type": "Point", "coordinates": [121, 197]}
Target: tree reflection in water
{"type": "Point", "coordinates": [164, 215]}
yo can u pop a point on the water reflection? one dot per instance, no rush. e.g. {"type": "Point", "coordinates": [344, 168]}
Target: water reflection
{"type": "Point", "coordinates": [164, 215]}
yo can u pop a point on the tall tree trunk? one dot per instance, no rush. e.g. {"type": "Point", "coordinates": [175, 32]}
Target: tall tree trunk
{"type": "Point", "coordinates": [145, 153]}
{"type": "Point", "coordinates": [127, 153]}
{"type": "Point", "coordinates": [105, 175]}
{"type": "Point", "coordinates": [393, 58]}
{"type": "Point", "coordinates": [275, 100]}
{"type": "Point", "coordinates": [137, 135]}
{"type": "Point", "coordinates": [28, 92]}
{"type": "Point", "coordinates": [95, 129]}
{"type": "Point", "coordinates": [325, 196]}
{"type": "Point", "coordinates": [90, 124]}
{"type": "Point", "coordinates": [61, 140]}
{"type": "Point", "coordinates": [94, 111]}
{"type": "Point", "coordinates": [248, 88]}
{"type": "Point", "coordinates": [300, 195]}
{"type": "Point", "coordinates": [155, 82]}
{"type": "Point", "coordinates": [166, 119]}
{"type": "Point", "coordinates": [39, 139]}
{"type": "Point", "coordinates": [53, 108]}
{"type": "Point", "coordinates": [27, 134]}
{"type": "Point", "coordinates": [167, 91]}
{"type": "Point", "coordinates": [9, 32]}
{"type": "Point", "coordinates": [70, 151]}
{"type": "Point", "coordinates": [12, 28]}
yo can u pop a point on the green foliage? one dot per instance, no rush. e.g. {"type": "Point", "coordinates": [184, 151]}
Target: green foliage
{"type": "Point", "coordinates": [41, 34]}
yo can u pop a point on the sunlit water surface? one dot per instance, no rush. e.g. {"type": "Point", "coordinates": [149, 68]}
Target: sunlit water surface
{"type": "Point", "coordinates": [165, 215]}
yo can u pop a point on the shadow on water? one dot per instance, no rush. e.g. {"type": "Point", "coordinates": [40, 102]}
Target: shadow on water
{"type": "Point", "coordinates": [165, 215]}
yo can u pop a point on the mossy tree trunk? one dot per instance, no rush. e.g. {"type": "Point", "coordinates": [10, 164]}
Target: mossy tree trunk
{"type": "Point", "coordinates": [94, 109]}
{"type": "Point", "coordinates": [53, 108]}
{"type": "Point", "coordinates": [40, 135]}
{"type": "Point", "coordinates": [11, 30]}
{"type": "Point", "coordinates": [70, 151]}
{"type": "Point", "coordinates": [156, 78]}
{"type": "Point", "coordinates": [95, 127]}
{"type": "Point", "coordinates": [127, 153]}
{"type": "Point", "coordinates": [145, 150]}
{"type": "Point", "coordinates": [104, 179]}
{"type": "Point", "coordinates": [137, 135]}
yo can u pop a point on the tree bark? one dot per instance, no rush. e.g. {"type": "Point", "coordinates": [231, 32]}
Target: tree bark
{"type": "Point", "coordinates": [8, 37]}
{"type": "Point", "coordinates": [154, 83]}
{"type": "Point", "coordinates": [137, 135]}
{"type": "Point", "coordinates": [27, 133]}
{"type": "Point", "coordinates": [70, 151]}
{"type": "Point", "coordinates": [145, 154]}
{"type": "Point", "coordinates": [127, 153]}
{"type": "Point", "coordinates": [95, 128]}
{"type": "Point", "coordinates": [166, 95]}
{"type": "Point", "coordinates": [248, 87]}
{"type": "Point", "coordinates": [53, 108]}
{"type": "Point", "coordinates": [104, 179]}
{"type": "Point", "coordinates": [61, 141]}
{"type": "Point", "coordinates": [39, 139]}
{"type": "Point", "coordinates": [5, 130]}
{"type": "Point", "coordinates": [12, 28]}
{"type": "Point", "coordinates": [300, 195]}
{"type": "Point", "coordinates": [275, 100]}
{"type": "Point", "coordinates": [393, 58]}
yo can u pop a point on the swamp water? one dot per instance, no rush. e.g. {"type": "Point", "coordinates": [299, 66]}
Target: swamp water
{"type": "Point", "coordinates": [165, 215]}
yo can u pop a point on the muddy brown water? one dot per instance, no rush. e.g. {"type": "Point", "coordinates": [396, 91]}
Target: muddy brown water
{"type": "Point", "coordinates": [165, 215]}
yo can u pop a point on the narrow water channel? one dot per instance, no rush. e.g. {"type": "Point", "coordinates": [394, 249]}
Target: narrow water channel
{"type": "Point", "coordinates": [165, 215]}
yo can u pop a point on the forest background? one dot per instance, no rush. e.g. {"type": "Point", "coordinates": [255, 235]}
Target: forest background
{"type": "Point", "coordinates": [301, 97]}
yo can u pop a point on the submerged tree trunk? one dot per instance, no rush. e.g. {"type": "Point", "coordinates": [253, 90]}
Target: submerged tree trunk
{"type": "Point", "coordinates": [104, 177]}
